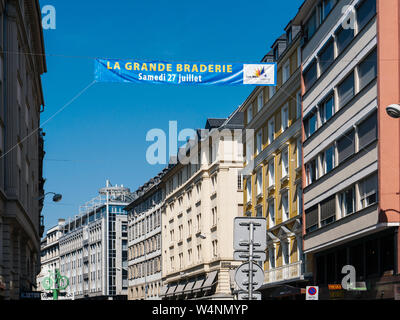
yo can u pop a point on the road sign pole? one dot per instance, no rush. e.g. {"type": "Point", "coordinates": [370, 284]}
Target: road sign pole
{"type": "Point", "coordinates": [251, 261]}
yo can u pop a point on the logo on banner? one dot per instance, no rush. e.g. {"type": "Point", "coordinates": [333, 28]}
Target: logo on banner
{"type": "Point", "coordinates": [258, 74]}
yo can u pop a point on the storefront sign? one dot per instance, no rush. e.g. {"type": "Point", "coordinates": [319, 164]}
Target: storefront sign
{"type": "Point", "coordinates": [134, 71]}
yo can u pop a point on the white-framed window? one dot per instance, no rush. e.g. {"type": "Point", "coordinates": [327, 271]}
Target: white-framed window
{"type": "Point", "coordinates": [285, 252]}
{"type": "Point", "coordinates": [299, 154]}
{"type": "Point", "coordinates": [248, 189]}
{"type": "Point", "coordinates": [272, 90]}
{"type": "Point", "coordinates": [271, 173]}
{"type": "Point", "coordinates": [369, 191]}
{"type": "Point", "coordinates": [271, 213]}
{"type": "Point", "coordinates": [271, 130]}
{"type": "Point", "coordinates": [250, 113]}
{"type": "Point", "coordinates": [260, 100]}
{"type": "Point", "coordinates": [328, 159]}
{"type": "Point", "coordinates": [285, 163]}
{"type": "Point", "coordinates": [285, 206]}
{"type": "Point", "coordinates": [286, 71]}
{"type": "Point", "coordinates": [298, 104]}
{"type": "Point", "coordinates": [214, 216]}
{"type": "Point", "coordinates": [299, 200]}
{"type": "Point", "coordinates": [259, 141]}
{"type": "Point", "coordinates": [285, 117]}
{"type": "Point", "coordinates": [347, 201]}
{"type": "Point", "coordinates": [259, 181]}
{"type": "Point", "coordinates": [311, 171]}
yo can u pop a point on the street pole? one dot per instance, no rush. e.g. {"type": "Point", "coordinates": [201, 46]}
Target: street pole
{"type": "Point", "coordinates": [251, 261]}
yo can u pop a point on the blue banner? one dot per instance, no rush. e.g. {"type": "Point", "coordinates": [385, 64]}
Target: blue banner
{"type": "Point", "coordinates": [134, 71]}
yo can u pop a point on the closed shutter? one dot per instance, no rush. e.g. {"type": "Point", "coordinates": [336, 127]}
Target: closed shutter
{"type": "Point", "coordinates": [346, 146]}
{"type": "Point", "coordinates": [367, 131]}
{"type": "Point", "coordinates": [328, 208]}
{"type": "Point", "coordinates": [312, 217]}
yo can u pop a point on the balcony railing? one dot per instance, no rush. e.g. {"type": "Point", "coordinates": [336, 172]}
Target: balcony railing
{"type": "Point", "coordinates": [289, 271]}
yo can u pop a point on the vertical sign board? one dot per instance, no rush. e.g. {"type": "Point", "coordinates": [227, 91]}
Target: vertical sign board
{"type": "Point", "coordinates": [312, 293]}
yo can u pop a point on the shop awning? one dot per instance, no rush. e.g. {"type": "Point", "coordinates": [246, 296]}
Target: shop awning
{"type": "Point", "coordinates": [210, 281]}
{"type": "Point", "coordinates": [197, 285]}
{"type": "Point", "coordinates": [284, 291]}
{"type": "Point", "coordinates": [179, 289]}
{"type": "Point", "coordinates": [171, 290]}
{"type": "Point", "coordinates": [163, 290]}
{"type": "Point", "coordinates": [189, 286]}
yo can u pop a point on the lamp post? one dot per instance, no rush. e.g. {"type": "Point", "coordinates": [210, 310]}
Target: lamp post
{"type": "Point", "coordinates": [56, 198]}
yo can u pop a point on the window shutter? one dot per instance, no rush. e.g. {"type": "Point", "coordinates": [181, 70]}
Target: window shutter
{"type": "Point", "coordinates": [312, 217]}
{"type": "Point", "coordinates": [328, 208]}
{"type": "Point", "coordinates": [367, 131]}
{"type": "Point", "coordinates": [346, 146]}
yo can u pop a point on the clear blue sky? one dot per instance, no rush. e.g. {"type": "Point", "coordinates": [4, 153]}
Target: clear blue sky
{"type": "Point", "coordinates": [102, 135]}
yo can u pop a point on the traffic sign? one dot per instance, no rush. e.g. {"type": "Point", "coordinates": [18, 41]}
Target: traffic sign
{"type": "Point", "coordinates": [242, 276]}
{"type": "Point", "coordinates": [244, 295]}
{"type": "Point", "coordinates": [244, 256]}
{"type": "Point", "coordinates": [312, 293]}
{"type": "Point", "coordinates": [241, 234]}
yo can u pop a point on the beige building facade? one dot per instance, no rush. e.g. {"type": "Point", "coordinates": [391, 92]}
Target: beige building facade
{"type": "Point", "coordinates": [202, 199]}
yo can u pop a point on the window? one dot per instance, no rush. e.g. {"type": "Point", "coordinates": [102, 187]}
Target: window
{"type": "Point", "coordinates": [310, 75]}
{"type": "Point", "coordinates": [285, 252]}
{"type": "Point", "coordinates": [271, 253]}
{"type": "Point", "coordinates": [310, 26]}
{"type": "Point", "coordinates": [367, 70]}
{"type": "Point", "coordinates": [259, 182]}
{"type": "Point", "coordinates": [286, 71]}
{"type": "Point", "coordinates": [240, 181]}
{"type": "Point", "coordinates": [365, 11]}
{"type": "Point", "coordinates": [271, 173]}
{"type": "Point", "coordinates": [285, 117]}
{"type": "Point", "coordinates": [285, 163]}
{"type": "Point", "coordinates": [260, 101]}
{"type": "Point", "coordinates": [215, 248]}
{"type": "Point", "coordinates": [259, 212]}
{"type": "Point", "coordinates": [259, 141]}
{"type": "Point", "coordinates": [312, 218]}
{"type": "Point", "coordinates": [248, 189]}
{"type": "Point", "coordinates": [326, 56]}
{"type": "Point", "coordinates": [328, 159]}
{"type": "Point", "coordinates": [369, 191]}
{"type": "Point", "coordinates": [346, 146]}
{"type": "Point", "coordinates": [310, 123]}
{"type": "Point", "coordinates": [298, 105]}
{"type": "Point", "coordinates": [271, 130]}
{"type": "Point", "coordinates": [299, 152]}
{"type": "Point", "coordinates": [367, 131]}
{"type": "Point", "coordinates": [299, 200]}
{"type": "Point", "coordinates": [311, 171]}
{"type": "Point", "coordinates": [285, 206]}
{"type": "Point", "coordinates": [327, 6]}
{"type": "Point", "coordinates": [298, 57]}
{"type": "Point", "coordinates": [343, 38]}
{"type": "Point", "coordinates": [327, 109]}
{"type": "Point", "coordinates": [328, 211]}
{"type": "Point", "coordinates": [272, 91]}
{"type": "Point", "coordinates": [250, 113]}
{"type": "Point", "coordinates": [271, 213]}
{"type": "Point", "coordinates": [214, 216]}
{"type": "Point", "coordinates": [346, 202]}
{"type": "Point", "coordinates": [346, 90]}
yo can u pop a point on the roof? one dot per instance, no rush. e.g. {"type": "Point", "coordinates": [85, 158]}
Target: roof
{"type": "Point", "coordinates": [214, 123]}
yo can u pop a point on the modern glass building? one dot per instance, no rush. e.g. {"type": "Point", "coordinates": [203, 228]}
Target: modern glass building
{"type": "Point", "coordinates": [94, 244]}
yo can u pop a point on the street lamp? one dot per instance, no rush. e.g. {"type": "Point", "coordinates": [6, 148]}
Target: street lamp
{"type": "Point", "coordinates": [56, 198]}
{"type": "Point", "coordinates": [393, 111]}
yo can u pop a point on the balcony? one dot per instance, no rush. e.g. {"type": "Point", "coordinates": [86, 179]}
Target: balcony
{"type": "Point", "coordinates": [287, 272]}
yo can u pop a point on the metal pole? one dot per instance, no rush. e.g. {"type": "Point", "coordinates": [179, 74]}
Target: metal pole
{"type": "Point", "coordinates": [251, 261]}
